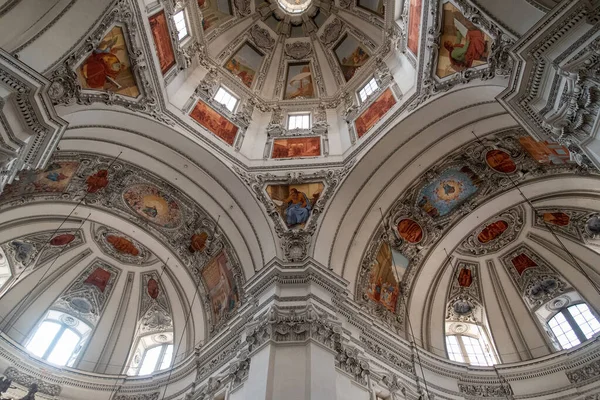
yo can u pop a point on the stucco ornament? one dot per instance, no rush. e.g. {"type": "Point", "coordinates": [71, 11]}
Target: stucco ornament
{"type": "Point", "coordinates": [298, 50]}
{"type": "Point", "coordinates": [27, 380]}
{"type": "Point", "coordinates": [262, 38]}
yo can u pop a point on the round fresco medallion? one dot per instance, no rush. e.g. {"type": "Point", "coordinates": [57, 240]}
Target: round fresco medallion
{"type": "Point", "coordinates": [462, 307]}
{"type": "Point", "coordinates": [593, 225]}
{"type": "Point", "coordinates": [410, 231]}
{"type": "Point", "coordinates": [492, 231]}
{"type": "Point", "coordinates": [62, 240]}
{"type": "Point", "coordinates": [500, 161]}
{"type": "Point", "coordinates": [154, 205]}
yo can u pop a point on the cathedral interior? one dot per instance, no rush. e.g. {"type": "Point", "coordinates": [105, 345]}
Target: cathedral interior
{"type": "Point", "coordinates": [299, 199]}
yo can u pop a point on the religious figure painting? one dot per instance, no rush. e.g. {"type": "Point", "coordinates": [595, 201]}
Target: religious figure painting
{"type": "Point", "coordinates": [414, 25]}
{"type": "Point", "coordinates": [410, 231]}
{"type": "Point", "coordinates": [299, 82]}
{"type": "Point", "coordinates": [108, 67]}
{"type": "Point", "coordinates": [62, 240]}
{"type": "Point", "coordinates": [463, 44]}
{"type": "Point", "coordinates": [222, 290]}
{"type": "Point", "coordinates": [351, 55]}
{"type": "Point", "coordinates": [245, 63]}
{"type": "Point", "coordinates": [545, 152]}
{"type": "Point", "coordinates": [97, 181]}
{"type": "Point", "coordinates": [214, 13]}
{"type": "Point", "coordinates": [162, 41]}
{"type": "Point", "coordinates": [465, 277]}
{"type": "Point", "coordinates": [375, 6]}
{"type": "Point", "coordinates": [523, 262]}
{"type": "Point", "coordinates": [153, 288]}
{"type": "Point", "coordinates": [375, 112]}
{"type": "Point", "coordinates": [500, 161]}
{"type": "Point", "coordinates": [54, 179]}
{"type": "Point", "coordinates": [198, 242]}
{"type": "Point", "coordinates": [98, 278]}
{"type": "Point", "coordinates": [154, 205]}
{"type": "Point", "coordinates": [556, 218]}
{"type": "Point", "coordinates": [388, 268]}
{"type": "Point", "coordinates": [214, 122]}
{"type": "Point", "coordinates": [295, 202]}
{"type": "Point", "coordinates": [492, 231]}
{"type": "Point", "coordinates": [123, 245]}
{"type": "Point", "coordinates": [448, 191]}
{"type": "Point", "coordinates": [296, 147]}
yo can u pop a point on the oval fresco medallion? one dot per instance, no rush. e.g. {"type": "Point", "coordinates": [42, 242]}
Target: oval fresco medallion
{"type": "Point", "coordinates": [593, 225]}
{"type": "Point", "coordinates": [154, 205]}
{"type": "Point", "coordinates": [500, 161]}
{"type": "Point", "coordinates": [556, 218]}
{"type": "Point", "coordinates": [62, 240]}
{"type": "Point", "coordinates": [123, 245]}
{"type": "Point", "coordinates": [492, 231]}
{"type": "Point", "coordinates": [410, 231]}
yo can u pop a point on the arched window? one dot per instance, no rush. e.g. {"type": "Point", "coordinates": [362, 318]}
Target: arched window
{"type": "Point", "coordinates": [152, 353]}
{"type": "Point", "coordinates": [574, 325]}
{"type": "Point", "coordinates": [58, 338]}
{"type": "Point", "coordinates": [470, 350]}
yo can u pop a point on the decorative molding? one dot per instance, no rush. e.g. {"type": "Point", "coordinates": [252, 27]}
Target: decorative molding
{"type": "Point", "coordinates": [146, 396]}
{"type": "Point", "coordinates": [298, 50]}
{"type": "Point", "coordinates": [589, 371]}
{"type": "Point", "coordinates": [27, 380]}
{"type": "Point", "coordinates": [486, 391]}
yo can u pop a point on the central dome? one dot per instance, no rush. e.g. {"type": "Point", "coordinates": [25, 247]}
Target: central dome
{"type": "Point", "coordinates": [294, 6]}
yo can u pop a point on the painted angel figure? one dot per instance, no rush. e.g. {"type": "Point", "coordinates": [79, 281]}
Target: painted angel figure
{"type": "Point", "coordinates": [462, 54]}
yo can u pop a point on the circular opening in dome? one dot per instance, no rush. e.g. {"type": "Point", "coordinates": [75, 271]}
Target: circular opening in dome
{"type": "Point", "coordinates": [295, 6]}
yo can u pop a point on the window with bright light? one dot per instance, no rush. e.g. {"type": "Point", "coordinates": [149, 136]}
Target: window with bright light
{"type": "Point", "coordinates": [180, 25]}
{"type": "Point", "coordinates": [226, 98]}
{"type": "Point", "coordinates": [299, 121]}
{"type": "Point", "coordinates": [156, 359]}
{"type": "Point", "coordinates": [58, 339]}
{"type": "Point", "coordinates": [367, 90]}
{"type": "Point", "coordinates": [574, 325]}
{"type": "Point", "coordinates": [470, 350]}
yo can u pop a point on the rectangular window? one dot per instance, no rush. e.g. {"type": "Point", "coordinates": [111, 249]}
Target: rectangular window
{"type": "Point", "coordinates": [454, 351]}
{"type": "Point", "coordinates": [181, 25]}
{"type": "Point", "coordinates": [226, 98]}
{"type": "Point", "coordinates": [299, 121]}
{"type": "Point", "coordinates": [368, 90]}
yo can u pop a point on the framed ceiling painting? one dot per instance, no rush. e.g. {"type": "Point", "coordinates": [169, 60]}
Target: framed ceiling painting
{"type": "Point", "coordinates": [374, 112]}
{"type": "Point", "coordinates": [245, 63]}
{"type": "Point", "coordinates": [162, 41]}
{"type": "Point", "coordinates": [351, 55]}
{"type": "Point", "coordinates": [299, 82]}
{"type": "Point", "coordinates": [375, 6]}
{"type": "Point", "coordinates": [296, 147]}
{"type": "Point", "coordinates": [414, 25]}
{"type": "Point", "coordinates": [216, 123]}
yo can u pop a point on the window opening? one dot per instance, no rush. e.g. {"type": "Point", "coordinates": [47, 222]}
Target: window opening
{"type": "Point", "coordinates": [299, 121]}
{"type": "Point", "coordinates": [367, 90]}
{"type": "Point", "coordinates": [180, 25]}
{"type": "Point", "coordinates": [226, 98]}
{"type": "Point", "coordinates": [574, 325]}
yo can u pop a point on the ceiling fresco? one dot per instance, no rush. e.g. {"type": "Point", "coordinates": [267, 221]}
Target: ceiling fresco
{"type": "Point", "coordinates": [137, 196]}
{"type": "Point", "coordinates": [450, 190]}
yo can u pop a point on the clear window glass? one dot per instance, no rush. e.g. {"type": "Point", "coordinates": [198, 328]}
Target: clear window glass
{"type": "Point", "coordinates": [225, 97]}
{"type": "Point", "coordinates": [299, 121]}
{"type": "Point", "coordinates": [156, 358]}
{"type": "Point", "coordinates": [470, 350]}
{"type": "Point", "coordinates": [167, 358]}
{"type": "Point", "coordinates": [454, 351]}
{"type": "Point", "coordinates": [58, 338]}
{"type": "Point", "coordinates": [574, 325]}
{"type": "Point", "coordinates": [180, 25]}
{"type": "Point", "coordinates": [368, 90]}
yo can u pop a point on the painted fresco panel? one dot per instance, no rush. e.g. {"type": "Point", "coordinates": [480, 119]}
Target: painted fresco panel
{"type": "Point", "coordinates": [414, 25]}
{"type": "Point", "coordinates": [54, 179]}
{"type": "Point", "coordinates": [375, 112]}
{"type": "Point", "coordinates": [154, 205]}
{"type": "Point", "coordinates": [556, 218]}
{"type": "Point", "coordinates": [545, 152]}
{"type": "Point", "coordinates": [299, 82]}
{"type": "Point", "coordinates": [162, 41]}
{"type": "Point", "coordinates": [215, 122]}
{"type": "Point", "coordinates": [492, 231]}
{"type": "Point", "coordinates": [383, 286]}
{"type": "Point", "coordinates": [523, 262]}
{"type": "Point", "coordinates": [500, 161]}
{"type": "Point", "coordinates": [295, 203]}
{"type": "Point", "coordinates": [98, 278]}
{"type": "Point", "coordinates": [222, 289]}
{"type": "Point", "coordinates": [245, 63]}
{"type": "Point", "coordinates": [351, 56]}
{"type": "Point", "coordinates": [108, 67]}
{"type": "Point", "coordinates": [296, 147]}
{"type": "Point", "coordinates": [410, 231]}
{"type": "Point", "coordinates": [448, 191]}
{"type": "Point", "coordinates": [214, 13]}
{"type": "Point", "coordinates": [463, 44]}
